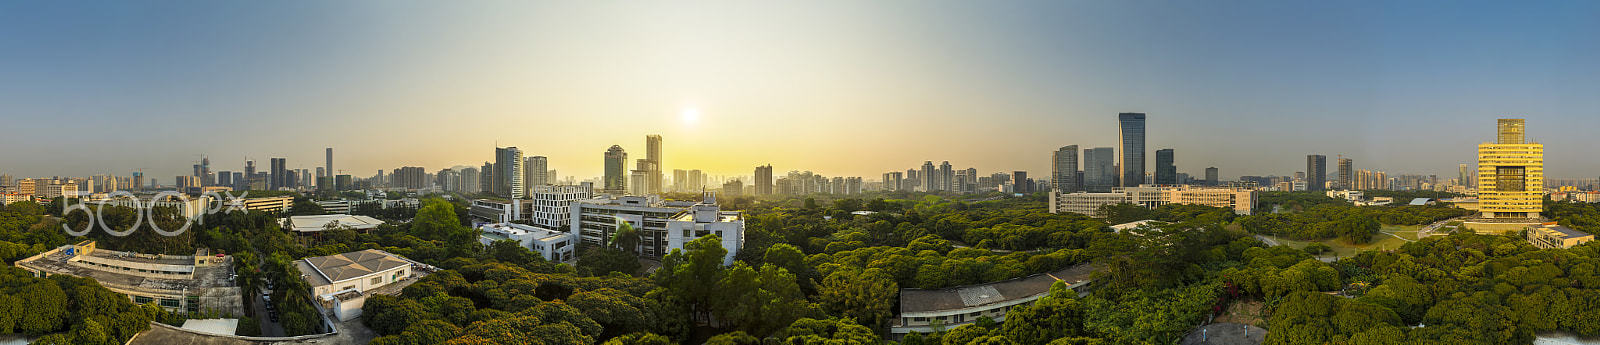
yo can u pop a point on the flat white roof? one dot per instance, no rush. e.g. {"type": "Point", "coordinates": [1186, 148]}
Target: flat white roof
{"type": "Point", "coordinates": [216, 326]}
{"type": "Point", "coordinates": [318, 223]}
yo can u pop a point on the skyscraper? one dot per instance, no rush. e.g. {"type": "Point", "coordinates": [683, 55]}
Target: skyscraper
{"type": "Point", "coordinates": [1064, 169]}
{"type": "Point", "coordinates": [1511, 174]}
{"type": "Point", "coordinates": [280, 173]}
{"type": "Point", "coordinates": [330, 164]}
{"type": "Point", "coordinates": [206, 178]}
{"type": "Point", "coordinates": [1346, 173]}
{"type": "Point", "coordinates": [1099, 173]}
{"type": "Point", "coordinates": [616, 180]}
{"type": "Point", "coordinates": [508, 172]}
{"type": "Point", "coordinates": [1316, 171]}
{"type": "Point", "coordinates": [485, 178]}
{"type": "Point", "coordinates": [947, 177]}
{"type": "Point", "coordinates": [697, 181]}
{"type": "Point", "coordinates": [1166, 172]}
{"type": "Point", "coordinates": [928, 179]}
{"type": "Point", "coordinates": [138, 181]}
{"type": "Point", "coordinates": [1020, 183]}
{"type": "Point", "coordinates": [1466, 179]}
{"type": "Point", "coordinates": [1132, 160]}
{"type": "Point", "coordinates": [652, 153]}
{"type": "Point", "coordinates": [891, 180]}
{"type": "Point", "coordinates": [1211, 176]}
{"type": "Point", "coordinates": [764, 180]}
{"type": "Point", "coordinates": [680, 179]}
{"type": "Point", "coordinates": [536, 172]}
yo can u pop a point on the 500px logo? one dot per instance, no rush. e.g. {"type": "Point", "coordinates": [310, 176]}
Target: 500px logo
{"type": "Point", "coordinates": [234, 203]}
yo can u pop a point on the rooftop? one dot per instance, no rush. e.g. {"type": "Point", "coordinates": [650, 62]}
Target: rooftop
{"type": "Point", "coordinates": [1564, 231]}
{"type": "Point", "coordinates": [961, 297]}
{"type": "Point", "coordinates": [320, 223]}
{"type": "Point", "coordinates": [337, 268]}
{"type": "Point", "coordinates": [216, 326]}
{"type": "Point", "coordinates": [501, 231]}
{"type": "Point", "coordinates": [64, 262]}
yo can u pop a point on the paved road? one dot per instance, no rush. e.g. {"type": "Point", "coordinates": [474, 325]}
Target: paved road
{"type": "Point", "coordinates": [1268, 240]}
{"type": "Point", "coordinates": [268, 328]}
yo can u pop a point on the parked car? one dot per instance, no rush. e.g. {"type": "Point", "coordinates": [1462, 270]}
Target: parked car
{"type": "Point", "coordinates": [273, 315]}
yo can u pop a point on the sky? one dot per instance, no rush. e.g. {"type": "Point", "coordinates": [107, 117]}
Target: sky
{"type": "Point", "coordinates": [841, 88]}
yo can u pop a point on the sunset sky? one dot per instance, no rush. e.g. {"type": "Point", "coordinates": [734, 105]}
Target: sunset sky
{"type": "Point", "coordinates": [841, 88]}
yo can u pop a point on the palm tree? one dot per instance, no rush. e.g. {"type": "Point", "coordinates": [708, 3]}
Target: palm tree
{"type": "Point", "coordinates": [626, 238]}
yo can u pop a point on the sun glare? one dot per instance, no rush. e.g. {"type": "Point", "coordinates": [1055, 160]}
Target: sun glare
{"type": "Point", "coordinates": [690, 116]}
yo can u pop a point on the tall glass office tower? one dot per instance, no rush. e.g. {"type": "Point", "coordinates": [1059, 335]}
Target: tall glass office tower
{"type": "Point", "coordinates": [1132, 160]}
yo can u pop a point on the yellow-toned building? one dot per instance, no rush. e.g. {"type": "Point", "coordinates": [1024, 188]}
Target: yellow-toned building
{"type": "Point", "coordinates": [1511, 174]}
{"type": "Point", "coordinates": [1551, 236]}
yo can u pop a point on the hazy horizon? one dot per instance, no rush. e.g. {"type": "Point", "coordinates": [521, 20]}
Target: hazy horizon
{"type": "Point", "coordinates": [840, 88]}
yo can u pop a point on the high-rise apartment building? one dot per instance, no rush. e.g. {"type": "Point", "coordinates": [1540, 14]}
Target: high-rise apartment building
{"type": "Point", "coordinates": [1099, 171]}
{"type": "Point", "coordinates": [1511, 174]}
{"type": "Point", "coordinates": [892, 180]}
{"type": "Point", "coordinates": [652, 153]}
{"type": "Point", "coordinates": [680, 180]}
{"type": "Point", "coordinates": [1316, 172]}
{"type": "Point", "coordinates": [409, 178]}
{"type": "Point", "coordinates": [485, 178]}
{"type": "Point", "coordinates": [929, 180]}
{"type": "Point", "coordinates": [697, 180]}
{"type": "Point", "coordinates": [535, 172]}
{"type": "Point", "coordinates": [1346, 171]}
{"type": "Point", "coordinates": [616, 180]}
{"type": "Point", "coordinates": [1166, 172]}
{"type": "Point", "coordinates": [1132, 160]}
{"type": "Point", "coordinates": [1064, 169]}
{"type": "Point", "coordinates": [947, 177]}
{"type": "Point", "coordinates": [764, 180]}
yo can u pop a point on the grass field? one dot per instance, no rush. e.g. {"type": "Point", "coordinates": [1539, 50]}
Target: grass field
{"type": "Point", "coordinates": [1390, 237]}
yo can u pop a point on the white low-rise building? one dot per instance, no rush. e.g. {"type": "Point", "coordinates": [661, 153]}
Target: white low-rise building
{"type": "Point", "coordinates": [551, 244]}
{"type": "Point", "coordinates": [704, 220]}
{"type": "Point", "coordinates": [661, 225]}
{"type": "Point", "coordinates": [1242, 200]}
{"type": "Point", "coordinates": [342, 281]}
{"type": "Point", "coordinates": [313, 224]}
{"type": "Point", "coordinates": [496, 211]}
{"type": "Point", "coordinates": [921, 309]}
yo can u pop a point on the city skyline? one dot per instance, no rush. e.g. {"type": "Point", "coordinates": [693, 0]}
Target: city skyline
{"type": "Point", "coordinates": [1249, 88]}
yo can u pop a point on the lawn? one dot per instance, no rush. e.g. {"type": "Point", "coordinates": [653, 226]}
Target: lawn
{"type": "Point", "coordinates": [1388, 239]}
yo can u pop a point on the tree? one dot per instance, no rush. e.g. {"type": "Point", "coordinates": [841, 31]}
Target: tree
{"type": "Point", "coordinates": [758, 302]}
{"type": "Point", "coordinates": [616, 311]}
{"type": "Point", "coordinates": [865, 295]}
{"type": "Point", "coordinates": [1057, 316]}
{"type": "Point", "coordinates": [626, 238]}
{"type": "Point", "coordinates": [604, 260]}
{"type": "Point", "coordinates": [834, 331]}
{"type": "Point", "coordinates": [641, 339]}
{"type": "Point", "coordinates": [512, 252]}
{"type": "Point", "coordinates": [735, 338]}
{"type": "Point", "coordinates": [694, 272]}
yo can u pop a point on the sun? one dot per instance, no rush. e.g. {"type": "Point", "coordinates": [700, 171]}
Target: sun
{"type": "Point", "coordinates": [690, 116]}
